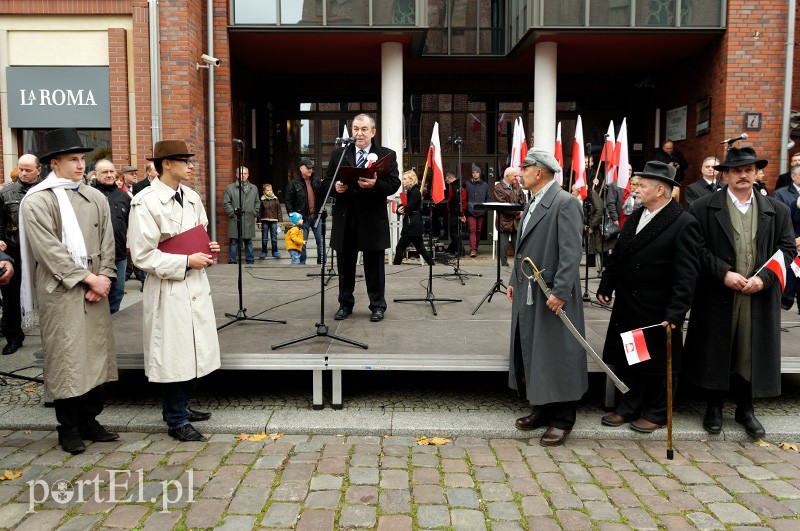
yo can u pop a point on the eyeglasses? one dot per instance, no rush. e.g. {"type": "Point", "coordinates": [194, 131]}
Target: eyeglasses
{"type": "Point", "coordinates": [188, 162]}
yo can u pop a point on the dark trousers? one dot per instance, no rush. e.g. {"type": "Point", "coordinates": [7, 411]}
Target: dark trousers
{"type": "Point", "coordinates": [11, 322]}
{"type": "Point", "coordinates": [78, 412]}
{"type": "Point", "coordinates": [647, 397]}
{"type": "Point", "coordinates": [456, 244]}
{"type": "Point", "coordinates": [419, 245]}
{"type": "Point", "coordinates": [374, 275]}
{"type": "Point", "coordinates": [175, 402]}
{"type": "Point", "coordinates": [741, 391]}
{"type": "Point", "coordinates": [791, 293]}
{"type": "Point", "coordinates": [503, 239]}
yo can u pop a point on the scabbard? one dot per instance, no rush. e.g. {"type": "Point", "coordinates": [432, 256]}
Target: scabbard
{"type": "Point", "coordinates": [585, 344]}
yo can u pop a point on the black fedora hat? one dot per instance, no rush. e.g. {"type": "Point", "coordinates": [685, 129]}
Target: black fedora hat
{"type": "Point", "coordinates": [655, 169]}
{"type": "Point", "coordinates": [61, 142]}
{"type": "Point", "coordinates": [741, 157]}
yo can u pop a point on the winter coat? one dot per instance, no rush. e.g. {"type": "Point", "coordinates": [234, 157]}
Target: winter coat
{"type": "Point", "coordinates": [502, 194]}
{"type": "Point", "coordinates": [412, 218]}
{"type": "Point", "coordinates": [708, 340]}
{"type": "Point", "coordinates": [653, 275]}
{"type": "Point", "coordinates": [294, 239]}
{"type": "Point", "coordinates": [553, 361]}
{"type": "Point", "coordinates": [77, 336]}
{"type": "Point", "coordinates": [477, 192]}
{"type": "Point", "coordinates": [271, 209]}
{"type": "Point", "coordinates": [296, 196]}
{"type": "Point", "coordinates": [180, 330]}
{"type": "Point", "coordinates": [252, 206]}
{"type": "Point", "coordinates": [119, 202]}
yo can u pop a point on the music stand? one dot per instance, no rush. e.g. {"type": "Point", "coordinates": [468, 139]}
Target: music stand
{"type": "Point", "coordinates": [322, 328]}
{"type": "Point", "coordinates": [498, 284]}
{"type": "Point", "coordinates": [241, 314]}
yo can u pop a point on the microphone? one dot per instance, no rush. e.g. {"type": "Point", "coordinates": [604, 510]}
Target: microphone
{"type": "Point", "coordinates": [730, 141]}
{"type": "Point", "coordinates": [458, 141]}
{"type": "Point", "coordinates": [236, 141]}
{"type": "Point", "coordinates": [346, 140]}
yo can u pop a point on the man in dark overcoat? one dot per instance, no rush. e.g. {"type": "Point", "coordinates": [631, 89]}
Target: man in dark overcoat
{"type": "Point", "coordinates": [733, 342]}
{"type": "Point", "coordinates": [360, 219]}
{"type": "Point", "coordinates": [653, 270]}
{"type": "Point", "coordinates": [790, 196]}
{"type": "Point", "coordinates": [547, 365]}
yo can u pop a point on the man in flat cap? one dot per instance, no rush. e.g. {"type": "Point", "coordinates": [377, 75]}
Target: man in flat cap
{"type": "Point", "coordinates": [129, 175]}
{"type": "Point", "coordinates": [67, 247]}
{"type": "Point", "coordinates": [734, 339]}
{"type": "Point", "coordinates": [547, 365]}
{"type": "Point", "coordinates": [477, 192]}
{"type": "Point", "coordinates": [653, 270]}
{"type": "Point", "coordinates": [180, 330]}
{"type": "Point", "coordinates": [304, 195]}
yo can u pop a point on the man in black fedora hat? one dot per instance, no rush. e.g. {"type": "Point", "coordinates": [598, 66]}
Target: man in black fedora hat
{"type": "Point", "coordinates": [67, 247]}
{"type": "Point", "coordinates": [180, 331]}
{"type": "Point", "coordinates": [653, 270]}
{"type": "Point", "coordinates": [733, 341]}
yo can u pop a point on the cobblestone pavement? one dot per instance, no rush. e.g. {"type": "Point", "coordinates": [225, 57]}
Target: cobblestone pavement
{"type": "Point", "coordinates": [336, 482]}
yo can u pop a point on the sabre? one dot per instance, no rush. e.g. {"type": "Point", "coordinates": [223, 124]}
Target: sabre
{"type": "Point", "coordinates": [536, 275]}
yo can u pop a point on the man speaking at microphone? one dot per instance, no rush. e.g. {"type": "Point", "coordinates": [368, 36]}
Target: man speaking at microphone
{"type": "Point", "coordinates": [360, 219]}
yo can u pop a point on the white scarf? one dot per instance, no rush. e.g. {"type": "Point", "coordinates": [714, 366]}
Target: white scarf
{"type": "Point", "coordinates": [71, 237]}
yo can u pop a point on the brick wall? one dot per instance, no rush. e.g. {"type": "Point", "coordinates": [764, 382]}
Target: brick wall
{"type": "Point", "coordinates": [118, 78]}
{"type": "Point", "coordinates": [141, 82]}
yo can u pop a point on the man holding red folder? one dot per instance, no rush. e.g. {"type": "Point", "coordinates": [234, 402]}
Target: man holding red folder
{"type": "Point", "coordinates": [180, 334]}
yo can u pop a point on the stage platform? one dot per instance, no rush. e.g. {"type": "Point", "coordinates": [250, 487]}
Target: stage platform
{"type": "Point", "coordinates": [410, 338]}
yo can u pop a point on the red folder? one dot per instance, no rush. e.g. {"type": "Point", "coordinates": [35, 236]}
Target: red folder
{"type": "Point", "coordinates": [192, 241]}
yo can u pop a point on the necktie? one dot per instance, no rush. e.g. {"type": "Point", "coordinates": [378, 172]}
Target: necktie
{"type": "Point", "coordinates": [711, 187]}
{"type": "Point", "coordinates": [178, 198]}
{"type": "Point", "coordinates": [362, 157]}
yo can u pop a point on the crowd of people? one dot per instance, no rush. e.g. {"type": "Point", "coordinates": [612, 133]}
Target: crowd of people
{"type": "Point", "coordinates": [65, 239]}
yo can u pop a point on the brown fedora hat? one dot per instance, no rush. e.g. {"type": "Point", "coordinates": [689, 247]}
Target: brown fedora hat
{"type": "Point", "coordinates": [61, 142]}
{"type": "Point", "coordinates": [170, 148]}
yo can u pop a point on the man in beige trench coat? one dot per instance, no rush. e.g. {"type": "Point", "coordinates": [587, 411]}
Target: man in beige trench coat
{"type": "Point", "coordinates": [180, 331]}
{"type": "Point", "coordinates": [67, 245]}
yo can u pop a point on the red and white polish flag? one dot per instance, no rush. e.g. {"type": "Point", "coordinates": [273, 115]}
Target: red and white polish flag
{"type": "Point", "coordinates": [579, 161]}
{"type": "Point", "coordinates": [777, 265]}
{"type": "Point", "coordinates": [559, 155]}
{"type": "Point", "coordinates": [635, 346]}
{"type": "Point", "coordinates": [795, 265]}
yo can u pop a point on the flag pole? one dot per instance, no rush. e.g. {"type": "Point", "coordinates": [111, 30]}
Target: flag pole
{"type": "Point", "coordinates": [595, 177]}
{"type": "Point", "coordinates": [425, 172]}
{"type": "Point", "coordinates": [571, 173]}
{"type": "Point", "coordinates": [670, 453]}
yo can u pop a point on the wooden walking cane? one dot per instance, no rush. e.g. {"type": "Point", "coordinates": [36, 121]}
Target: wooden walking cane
{"type": "Point", "coordinates": [670, 453]}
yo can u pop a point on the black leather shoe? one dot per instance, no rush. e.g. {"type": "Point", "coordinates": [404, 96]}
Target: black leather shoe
{"type": "Point", "coordinates": [554, 437]}
{"type": "Point", "coordinates": [377, 315]}
{"type": "Point", "coordinates": [712, 421]}
{"type": "Point", "coordinates": [752, 426]}
{"type": "Point", "coordinates": [342, 313]}
{"type": "Point", "coordinates": [198, 416]}
{"type": "Point", "coordinates": [186, 433]}
{"type": "Point", "coordinates": [531, 422]}
{"type": "Point", "coordinates": [98, 434]}
{"type": "Point", "coordinates": [12, 346]}
{"type": "Point", "coordinates": [71, 442]}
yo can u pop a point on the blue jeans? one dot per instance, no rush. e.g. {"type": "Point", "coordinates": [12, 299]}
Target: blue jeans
{"type": "Point", "coordinates": [248, 251]}
{"type": "Point", "coordinates": [118, 287]}
{"type": "Point", "coordinates": [269, 228]}
{"type": "Point", "coordinates": [298, 257]}
{"type": "Point", "coordinates": [307, 225]}
{"type": "Point", "coordinates": [175, 402]}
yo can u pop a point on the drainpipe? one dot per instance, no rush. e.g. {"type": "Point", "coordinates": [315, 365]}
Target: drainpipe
{"type": "Point", "coordinates": [155, 72]}
{"type": "Point", "coordinates": [212, 142]}
{"type": "Point", "coordinates": [787, 86]}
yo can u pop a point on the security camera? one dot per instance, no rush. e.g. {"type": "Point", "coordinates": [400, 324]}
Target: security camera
{"type": "Point", "coordinates": [208, 60]}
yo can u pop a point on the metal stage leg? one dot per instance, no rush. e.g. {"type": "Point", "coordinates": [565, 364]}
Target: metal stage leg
{"type": "Point", "coordinates": [336, 388]}
{"type": "Point", "coordinates": [317, 389]}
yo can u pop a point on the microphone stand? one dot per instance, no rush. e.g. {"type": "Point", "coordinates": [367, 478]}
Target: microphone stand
{"type": "Point", "coordinates": [429, 296]}
{"type": "Point", "coordinates": [241, 314]}
{"type": "Point", "coordinates": [331, 272]}
{"type": "Point", "coordinates": [321, 327]}
{"type": "Point", "coordinates": [457, 271]}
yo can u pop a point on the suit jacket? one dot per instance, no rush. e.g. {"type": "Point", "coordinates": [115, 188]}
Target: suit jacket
{"type": "Point", "coordinates": [696, 190]}
{"type": "Point", "coordinates": [788, 196]}
{"type": "Point", "coordinates": [551, 360]}
{"type": "Point", "coordinates": [653, 274]}
{"type": "Point", "coordinates": [141, 185]}
{"type": "Point", "coordinates": [360, 215]}
{"type": "Point", "coordinates": [708, 339]}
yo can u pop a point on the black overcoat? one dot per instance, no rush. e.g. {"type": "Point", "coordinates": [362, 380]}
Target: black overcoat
{"type": "Point", "coordinates": [412, 217]}
{"type": "Point", "coordinates": [358, 213]}
{"type": "Point", "coordinates": [653, 274]}
{"type": "Point", "coordinates": [708, 339]}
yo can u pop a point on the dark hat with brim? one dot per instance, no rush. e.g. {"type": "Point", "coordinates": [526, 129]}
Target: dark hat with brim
{"type": "Point", "coordinates": [658, 170]}
{"type": "Point", "coordinates": [165, 149]}
{"type": "Point", "coordinates": [62, 142]}
{"type": "Point", "coordinates": [129, 169]}
{"type": "Point", "coordinates": [741, 157]}
{"type": "Point", "coordinates": [307, 162]}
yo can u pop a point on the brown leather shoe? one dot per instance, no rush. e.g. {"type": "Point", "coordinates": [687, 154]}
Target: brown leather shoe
{"type": "Point", "coordinates": [642, 425]}
{"type": "Point", "coordinates": [613, 419]}
{"type": "Point", "coordinates": [554, 437]}
{"type": "Point", "coordinates": [531, 422]}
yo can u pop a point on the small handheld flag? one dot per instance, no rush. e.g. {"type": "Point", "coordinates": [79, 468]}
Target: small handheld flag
{"type": "Point", "coordinates": [635, 346]}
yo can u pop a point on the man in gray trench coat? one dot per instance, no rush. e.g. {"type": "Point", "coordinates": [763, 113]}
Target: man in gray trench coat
{"type": "Point", "coordinates": [547, 364]}
{"type": "Point", "coordinates": [67, 248]}
{"type": "Point", "coordinates": [250, 212]}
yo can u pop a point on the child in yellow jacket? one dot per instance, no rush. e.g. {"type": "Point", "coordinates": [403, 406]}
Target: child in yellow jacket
{"type": "Point", "coordinates": [295, 243]}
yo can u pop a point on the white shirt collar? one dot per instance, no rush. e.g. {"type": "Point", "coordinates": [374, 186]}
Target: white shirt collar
{"type": "Point", "coordinates": [738, 204]}
{"type": "Point", "coordinates": [796, 187]}
{"type": "Point", "coordinates": [708, 182]}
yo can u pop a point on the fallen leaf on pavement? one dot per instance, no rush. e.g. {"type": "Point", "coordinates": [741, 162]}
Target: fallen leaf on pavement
{"type": "Point", "coordinates": [788, 446]}
{"type": "Point", "coordinates": [242, 437]}
{"type": "Point", "coordinates": [424, 441]}
{"type": "Point", "coordinates": [29, 389]}
{"type": "Point", "coordinates": [275, 436]}
{"type": "Point", "coordinates": [762, 444]}
{"type": "Point", "coordinates": [10, 474]}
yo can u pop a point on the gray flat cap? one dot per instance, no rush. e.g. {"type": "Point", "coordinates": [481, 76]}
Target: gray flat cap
{"type": "Point", "coordinates": [543, 159]}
